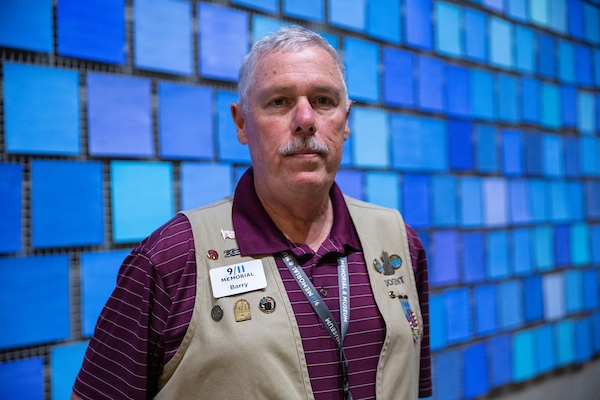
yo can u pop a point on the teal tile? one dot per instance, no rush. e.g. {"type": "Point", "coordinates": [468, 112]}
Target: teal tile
{"type": "Point", "coordinates": [370, 137]}
{"type": "Point", "coordinates": [545, 348]}
{"type": "Point", "coordinates": [448, 40]}
{"type": "Point", "coordinates": [565, 343]}
{"type": "Point", "coordinates": [498, 262]}
{"type": "Point", "coordinates": [501, 36]}
{"type": "Point", "coordinates": [580, 244]}
{"type": "Point", "coordinates": [550, 106]}
{"type": "Point", "coordinates": [573, 292]}
{"type": "Point", "coordinates": [65, 363]}
{"type": "Point", "coordinates": [384, 20]}
{"type": "Point", "coordinates": [544, 248]}
{"type": "Point", "coordinates": [525, 49]}
{"type": "Point", "coordinates": [524, 356]}
{"type": "Point", "coordinates": [539, 12]}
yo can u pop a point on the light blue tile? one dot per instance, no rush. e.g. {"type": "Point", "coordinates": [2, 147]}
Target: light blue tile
{"type": "Point", "coordinates": [350, 14]}
{"type": "Point", "coordinates": [495, 202]}
{"type": "Point", "coordinates": [361, 59]}
{"type": "Point", "coordinates": [418, 143]}
{"type": "Point", "coordinates": [482, 94]}
{"type": "Point", "coordinates": [196, 177]}
{"type": "Point", "coordinates": [498, 262]}
{"type": "Point", "coordinates": [48, 99]}
{"type": "Point", "coordinates": [384, 20]}
{"type": "Point", "coordinates": [448, 39]}
{"type": "Point", "coordinates": [543, 255]}
{"type": "Point", "coordinates": [573, 292]}
{"type": "Point", "coordinates": [65, 363]}
{"type": "Point", "coordinates": [446, 376]}
{"type": "Point", "coordinates": [553, 155]}
{"type": "Point", "coordinates": [566, 61]}
{"type": "Point", "coordinates": [383, 188]}
{"type": "Point", "coordinates": [444, 201]}
{"type": "Point", "coordinates": [228, 145]}
{"type": "Point", "coordinates": [270, 6]}
{"type": "Point", "coordinates": [545, 348]}
{"type": "Point", "coordinates": [586, 113]}
{"type": "Point", "coordinates": [512, 152]}
{"type": "Point", "coordinates": [494, 5]}
{"type": "Point", "coordinates": [131, 181]}
{"type": "Point", "coordinates": [539, 12]}
{"type": "Point", "coordinates": [517, 9]}
{"type": "Point", "coordinates": [509, 107]}
{"type": "Point", "coordinates": [558, 16]}
{"type": "Point", "coordinates": [471, 201]}
{"type": "Point", "coordinates": [163, 36]}
{"type": "Point", "coordinates": [370, 137]}
{"type": "Point", "coordinates": [438, 319]}
{"type": "Point", "coordinates": [510, 305]}
{"type": "Point", "coordinates": [550, 109]}
{"type": "Point", "coordinates": [557, 192]}
{"type": "Point", "coordinates": [518, 202]}
{"type": "Point", "coordinates": [524, 49]}
{"type": "Point", "coordinates": [589, 148]}
{"type": "Point", "coordinates": [501, 33]}
{"type": "Point", "coordinates": [554, 296]}
{"type": "Point", "coordinates": [537, 200]}
{"type": "Point", "coordinates": [313, 10]}
{"type": "Point", "coordinates": [263, 26]}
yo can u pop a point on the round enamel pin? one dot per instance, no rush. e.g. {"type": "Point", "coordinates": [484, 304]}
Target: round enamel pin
{"type": "Point", "coordinates": [212, 254]}
{"type": "Point", "coordinates": [267, 305]}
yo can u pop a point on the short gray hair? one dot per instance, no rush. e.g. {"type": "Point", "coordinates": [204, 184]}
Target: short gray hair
{"type": "Point", "coordinates": [289, 38]}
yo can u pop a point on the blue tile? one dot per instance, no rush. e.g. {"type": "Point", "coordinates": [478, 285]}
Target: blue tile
{"type": "Point", "coordinates": [495, 202]}
{"type": "Point", "coordinates": [509, 108]}
{"type": "Point", "coordinates": [586, 113]}
{"type": "Point", "coordinates": [558, 201]}
{"type": "Point", "coordinates": [98, 278]}
{"type": "Point", "coordinates": [431, 88]}
{"type": "Point", "coordinates": [119, 115]}
{"type": "Point", "coordinates": [229, 148]}
{"type": "Point", "coordinates": [589, 150]}
{"type": "Point", "coordinates": [592, 199]}
{"type": "Point", "coordinates": [539, 12]}
{"type": "Point", "coordinates": [448, 39]}
{"type": "Point", "coordinates": [185, 131]}
{"type": "Point", "coordinates": [22, 379]}
{"type": "Point", "coordinates": [545, 348]}
{"type": "Point", "coordinates": [65, 363]}
{"type": "Point", "coordinates": [546, 55]}
{"type": "Point", "coordinates": [398, 86]}
{"type": "Point", "coordinates": [533, 153]}
{"type": "Point", "coordinates": [11, 175]}
{"type": "Point", "coordinates": [458, 91]}
{"type": "Point", "coordinates": [473, 257]}
{"type": "Point", "coordinates": [36, 288]}
{"type": "Point", "coordinates": [350, 182]}
{"type": "Point", "coordinates": [596, 66]}
{"type": "Point", "coordinates": [418, 143]}
{"type": "Point", "coordinates": [383, 188]}
{"type": "Point", "coordinates": [263, 26]}
{"type": "Point", "coordinates": [568, 97]}
{"type": "Point", "coordinates": [576, 200]}
{"type": "Point", "coordinates": [517, 9]}
{"type": "Point", "coordinates": [494, 5]}
{"type": "Point", "coordinates": [361, 59]}
{"type": "Point", "coordinates": [475, 35]}
{"type": "Point", "coordinates": [583, 340]}
{"type": "Point", "coordinates": [487, 154]}
{"type": "Point", "coordinates": [444, 258]}
{"type": "Point", "coordinates": [575, 18]}
{"type": "Point", "coordinates": [64, 214]}
{"type": "Point", "coordinates": [530, 100]}
{"type": "Point", "coordinates": [48, 99]}
{"type": "Point", "coordinates": [500, 36]}
{"type": "Point", "coordinates": [523, 354]}
{"type": "Point", "coordinates": [566, 61]}
{"type": "Point", "coordinates": [461, 149]}
{"type": "Point", "coordinates": [532, 298]}
{"type": "Point", "coordinates": [591, 295]}
{"type": "Point", "coordinates": [447, 378]}
{"type": "Point", "coordinates": [313, 10]}
{"type": "Point", "coordinates": [518, 202]}
{"type": "Point", "coordinates": [595, 242]}
{"type": "Point", "coordinates": [537, 200]}
{"type": "Point", "coordinates": [510, 307]}
{"type": "Point", "coordinates": [565, 342]}
{"type": "Point", "coordinates": [222, 41]}
{"type": "Point", "coordinates": [482, 94]}
{"type": "Point", "coordinates": [500, 360]}
{"type": "Point", "coordinates": [133, 220]}
{"type": "Point", "coordinates": [512, 152]}
{"type": "Point", "coordinates": [498, 265]}
{"type": "Point", "coordinates": [270, 6]}
{"type": "Point", "coordinates": [543, 248]}
{"type": "Point", "coordinates": [370, 137]}
{"type": "Point", "coordinates": [550, 106]}
{"type": "Point", "coordinates": [458, 312]}
{"type": "Point", "coordinates": [596, 329]}
{"type": "Point", "coordinates": [437, 317]}
{"type": "Point", "coordinates": [471, 211]}
{"type": "Point", "coordinates": [573, 292]}
{"type": "Point", "coordinates": [525, 49]}
{"type": "Point", "coordinates": [162, 36]}
{"type": "Point", "coordinates": [521, 251]}
{"type": "Point", "coordinates": [444, 201]}
{"type": "Point", "coordinates": [552, 155]}
{"type": "Point", "coordinates": [384, 20]}
{"type": "Point", "coordinates": [418, 24]}
{"type": "Point", "coordinates": [93, 30]}
{"type": "Point", "coordinates": [580, 239]}
{"type": "Point", "coordinates": [558, 16]}
{"type": "Point", "coordinates": [553, 288]}
{"type": "Point", "coordinates": [591, 16]}
{"type": "Point", "coordinates": [350, 14]}
{"type": "Point", "coordinates": [562, 248]}
{"type": "Point", "coordinates": [26, 24]}
{"type": "Point", "coordinates": [196, 177]}
{"type": "Point", "coordinates": [415, 200]}
{"type": "Point", "coordinates": [571, 157]}
{"type": "Point", "coordinates": [485, 309]}
{"type": "Point", "coordinates": [476, 371]}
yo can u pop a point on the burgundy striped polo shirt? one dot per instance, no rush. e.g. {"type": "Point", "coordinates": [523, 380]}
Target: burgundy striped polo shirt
{"type": "Point", "coordinates": [146, 317]}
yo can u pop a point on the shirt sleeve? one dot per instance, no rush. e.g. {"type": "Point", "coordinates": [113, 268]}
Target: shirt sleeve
{"type": "Point", "coordinates": [419, 262]}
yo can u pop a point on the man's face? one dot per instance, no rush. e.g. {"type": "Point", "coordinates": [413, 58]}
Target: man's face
{"type": "Point", "coordinates": [296, 98]}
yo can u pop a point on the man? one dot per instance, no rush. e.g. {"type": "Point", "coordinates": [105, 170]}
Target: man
{"type": "Point", "coordinates": [288, 289]}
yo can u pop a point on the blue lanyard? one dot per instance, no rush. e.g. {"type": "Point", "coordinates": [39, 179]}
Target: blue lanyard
{"type": "Point", "coordinates": [323, 311]}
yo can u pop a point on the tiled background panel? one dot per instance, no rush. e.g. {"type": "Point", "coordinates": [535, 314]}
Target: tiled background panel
{"type": "Point", "coordinates": [65, 363]}
{"type": "Point", "coordinates": [11, 176]}
{"type": "Point", "coordinates": [22, 379]}
{"type": "Point", "coordinates": [26, 25]}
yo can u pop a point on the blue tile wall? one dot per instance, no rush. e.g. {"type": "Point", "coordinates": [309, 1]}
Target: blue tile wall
{"type": "Point", "coordinates": [478, 120]}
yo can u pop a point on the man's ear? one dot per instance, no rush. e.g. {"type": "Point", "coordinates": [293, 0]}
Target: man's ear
{"type": "Point", "coordinates": [238, 119]}
{"type": "Point", "coordinates": [347, 127]}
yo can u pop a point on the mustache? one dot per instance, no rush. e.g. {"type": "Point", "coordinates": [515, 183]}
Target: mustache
{"type": "Point", "coordinates": [301, 143]}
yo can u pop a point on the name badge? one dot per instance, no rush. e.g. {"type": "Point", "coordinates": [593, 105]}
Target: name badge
{"type": "Point", "coordinates": [237, 278]}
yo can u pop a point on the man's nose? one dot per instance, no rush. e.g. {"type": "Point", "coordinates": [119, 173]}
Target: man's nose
{"type": "Point", "coordinates": [304, 121]}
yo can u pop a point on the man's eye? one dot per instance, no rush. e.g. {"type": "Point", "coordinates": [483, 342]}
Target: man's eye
{"type": "Point", "coordinates": [278, 102]}
{"type": "Point", "coordinates": [323, 100]}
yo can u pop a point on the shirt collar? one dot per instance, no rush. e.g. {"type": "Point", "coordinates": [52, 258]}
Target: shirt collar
{"type": "Point", "coordinates": [257, 234]}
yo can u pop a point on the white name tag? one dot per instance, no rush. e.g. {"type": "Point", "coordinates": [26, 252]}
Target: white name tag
{"type": "Point", "coordinates": [237, 278]}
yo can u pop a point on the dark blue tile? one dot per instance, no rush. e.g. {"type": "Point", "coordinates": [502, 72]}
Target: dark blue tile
{"type": "Point", "coordinates": [418, 24]}
{"type": "Point", "coordinates": [546, 56]}
{"type": "Point", "coordinates": [22, 379]}
{"type": "Point", "coordinates": [533, 153]}
{"type": "Point", "coordinates": [584, 65]}
{"type": "Point", "coordinates": [473, 257]}
{"type": "Point", "coordinates": [458, 312]}
{"type": "Point", "coordinates": [571, 156]}
{"type": "Point", "coordinates": [569, 111]}
{"type": "Point", "coordinates": [575, 18]}
{"type": "Point", "coordinates": [415, 200]}
{"type": "Point", "coordinates": [530, 100]}
{"type": "Point", "coordinates": [443, 259]}
{"type": "Point", "coordinates": [350, 183]}
{"type": "Point", "coordinates": [10, 212]}
{"type": "Point", "coordinates": [476, 371]}
{"type": "Point", "coordinates": [500, 360]}
{"type": "Point", "coordinates": [461, 148]}
{"type": "Point", "coordinates": [533, 296]}
{"type": "Point", "coordinates": [447, 375]}
{"type": "Point", "coordinates": [458, 91]}
{"type": "Point", "coordinates": [485, 309]}
{"type": "Point", "coordinates": [398, 82]}
{"type": "Point", "coordinates": [512, 152]}
{"type": "Point", "coordinates": [591, 296]}
{"type": "Point", "coordinates": [562, 249]}
{"type": "Point", "coordinates": [431, 87]}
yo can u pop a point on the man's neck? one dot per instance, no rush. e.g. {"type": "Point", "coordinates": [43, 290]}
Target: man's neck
{"type": "Point", "coordinates": [307, 220]}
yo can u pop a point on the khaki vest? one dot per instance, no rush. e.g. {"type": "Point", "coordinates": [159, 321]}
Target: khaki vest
{"type": "Point", "coordinates": [262, 358]}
